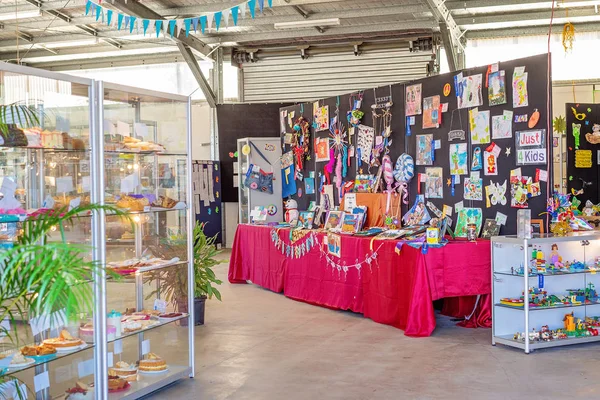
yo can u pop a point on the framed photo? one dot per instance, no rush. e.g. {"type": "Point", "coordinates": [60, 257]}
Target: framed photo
{"type": "Point", "coordinates": [351, 223]}
{"type": "Point", "coordinates": [334, 219]}
{"type": "Point", "coordinates": [306, 219]}
{"type": "Point", "coordinates": [537, 226]}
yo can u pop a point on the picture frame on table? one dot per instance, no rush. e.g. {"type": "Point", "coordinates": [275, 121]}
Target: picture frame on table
{"type": "Point", "coordinates": [537, 226]}
{"type": "Point", "coordinates": [351, 223]}
{"type": "Point", "coordinates": [334, 219]}
{"type": "Point", "coordinates": [334, 244]}
{"type": "Point", "coordinates": [306, 219]}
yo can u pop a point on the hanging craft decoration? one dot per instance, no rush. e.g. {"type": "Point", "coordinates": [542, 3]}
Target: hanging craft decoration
{"type": "Point", "coordinates": [457, 134]}
{"type": "Point", "coordinates": [366, 136]}
{"type": "Point", "coordinates": [301, 142]}
{"type": "Point", "coordinates": [321, 117]}
{"type": "Point", "coordinates": [466, 217]}
{"type": "Point", "coordinates": [434, 184]}
{"type": "Point", "coordinates": [521, 118]}
{"type": "Point", "coordinates": [559, 124]}
{"type": "Point", "coordinates": [568, 35]}
{"type": "Point", "coordinates": [413, 100]}
{"type": "Point", "coordinates": [502, 125]}
{"type": "Point", "coordinates": [382, 122]}
{"type": "Point", "coordinates": [388, 172]}
{"type": "Point", "coordinates": [497, 88]}
{"type": "Point", "coordinates": [520, 94]}
{"type": "Point", "coordinates": [425, 150]}
{"type": "Point", "coordinates": [339, 149]}
{"type": "Point", "coordinates": [479, 122]}
{"type": "Point", "coordinates": [469, 93]}
{"type": "Point", "coordinates": [594, 136]}
{"type": "Point", "coordinates": [476, 163]}
{"type": "Point", "coordinates": [404, 171]}
{"type": "Point", "coordinates": [458, 159]}
{"type": "Point", "coordinates": [355, 114]}
{"type": "Point", "coordinates": [173, 27]}
{"type": "Point", "coordinates": [583, 159]}
{"type": "Point", "coordinates": [431, 112]}
{"type": "Point", "coordinates": [576, 134]}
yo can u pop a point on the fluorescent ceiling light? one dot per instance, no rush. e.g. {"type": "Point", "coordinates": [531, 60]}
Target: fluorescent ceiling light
{"type": "Point", "coordinates": [72, 43]}
{"type": "Point", "coordinates": [20, 15]}
{"type": "Point", "coordinates": [307, 23]}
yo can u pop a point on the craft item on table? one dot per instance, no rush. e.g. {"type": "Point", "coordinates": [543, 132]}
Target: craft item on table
{"type": "Point", "coordinates": [469, 92]}
{"type": "Point", "coordinates": [366, 136]}
{"type": "Point", "coordinates": [531, 147]}
{"type": "Point", "coordinates": [392, 220]}
{"type": "Point", "coordinates": [388, 172]}
{"type": "Point", "coordinates": [288, 181]}
{"type": "Point", "coordinates": [519, 84]}
{"type": "Point", "coordinates": [413, 100]}
{"type": "Point", "coordinates": [434, 185]}
{"type": "Point", "coordinates": [479, 123]}
{"type": "Point", "coordinates": [576, 134]}
{"type": "Point", "coordinates": [534, 119]}
{"type": "Point", "coordinates": [425, 150]}
{"type": "Point", "coordinates": [490, 228]}
{"type": "Point", "coordinates": [496, 88]}
{"type": "Point", "coordinates": [321, 149]}
{"type": "Point", "coordinates": [473, 188]}
{"type": "Point", "coordinates": [431, 112]}
{"type": "Point", "coordinates": [476, 162]}
{"type": "Point", "coordinates": [467, 216]}
{"type": "Point", "coordinates": [334, 244]}
{"type": "Point", "coordinates": [588, 210]}
{"type": "Point", "coordinates": [502, 125]}
{"type": "Point", "coordinates": [321, 117]}
{"type": "Point", "coordinates": [418, 214]}
{"type": "Point", "coordinates": [305, 219]}
{"type": "Point", "coordinates": [490, 163]}
{"type": "Point", "coordinates": [404, 170]}
{"type": "Point", "coordinates": [433, 235]}
{"type": "Point", "coordinates": [594, 136]}
{"type": "Point", "coordinates": [521, 118]}
{"type": "Point", "coordinates": [333, 221]}
{"type": "Point", "coordinates": [351, 223]}
{"type": "Point", "coordinates": [291, 212]}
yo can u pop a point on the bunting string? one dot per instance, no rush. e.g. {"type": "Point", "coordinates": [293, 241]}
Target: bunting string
{"type": "Point", "coordinates": [174, 27]}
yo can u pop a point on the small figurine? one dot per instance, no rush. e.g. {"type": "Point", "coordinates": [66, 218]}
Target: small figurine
{"type": "Point", "coordinates": [555, 258]}
{"type": "Point", "coordinates": [291, 211]}
{"type": "Point", "coordinates": [569, 321]}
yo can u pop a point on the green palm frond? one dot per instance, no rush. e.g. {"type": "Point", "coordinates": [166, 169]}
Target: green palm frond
{"type": "Point", "coordinates": [19, 114]}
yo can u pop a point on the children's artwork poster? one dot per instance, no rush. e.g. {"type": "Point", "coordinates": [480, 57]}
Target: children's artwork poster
{"type": "Point", "coordinates": [207, 196]}
{"type": "Point", "coordinates": [334, 244]}
{"type": "Point", "coordinates": [321, 117]}
{"type": "Point", "coordinates": [583, 159]}
{"type": "Point", "coordinates": [366, 136]}
{"type": "Point", "coordinates": [321, 149]}
{"type": "Point", "coordinates": [469, 91]}
{"type": "Point", "coordinates": [502, 125]}
{"type": "Point", "coordinates": [520, 94]}
{"type": "Point", "coordinates": [519, 189]}
{"type": "Point", "coordinates": [434, 183]}
{"type": "Point", "coordinates": [413, 99]}
{"type": "Point", "coordinates": [479, 122]}
{"type": "Point", "coordinates": [424, 150]}
{"type": "Point", "coordinates": [531, 147]}
{"type": "Point", "coordinates": [309, 185]}
{"type": "Point", "coordinates": [431, 112]}
{"type": "Point", "coordinates": [418, 214]}
{"type": "Point", "coordinates": [497, 88]}
{"type": "Point", "coordinates": [490, 166]}
{"type": "Point", "coordinates": [496, 194]}
{"type": "Point", "coordinates": [459, 164]}
{"type": "Point", "coordinates": [466, 217]}
{"type": "Point", "coordinates": [473, 188]}
{"type": "Point", "coordinates": [476, 162]}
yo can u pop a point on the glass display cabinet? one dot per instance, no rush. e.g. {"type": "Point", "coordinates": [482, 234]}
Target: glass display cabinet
{"type": "Point", "coordinates": [544, 290]}
{"type": "Point", "coordinates": [99, 143]}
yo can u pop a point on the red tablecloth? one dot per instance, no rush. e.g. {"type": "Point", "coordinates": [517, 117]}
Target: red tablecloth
{"type": "Point", "coordinates": [394, 289]}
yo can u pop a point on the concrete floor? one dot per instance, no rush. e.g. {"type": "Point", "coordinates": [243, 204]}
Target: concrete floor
{"type": "Point", "coordinates": [260, 345]}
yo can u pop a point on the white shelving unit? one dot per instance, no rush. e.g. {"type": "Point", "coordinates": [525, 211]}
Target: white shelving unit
{"type": "Point", "coordinates": [509, 254]}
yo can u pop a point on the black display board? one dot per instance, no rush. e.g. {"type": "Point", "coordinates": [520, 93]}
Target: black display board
{"type": "Point", "coordinates": [538, 99]}
{"type": "Point", "coordinates": [206, 186]}
{"type": "Point", "coordinates": [237, 121]}
{"type": "Point", "coordinates": [585, 115]}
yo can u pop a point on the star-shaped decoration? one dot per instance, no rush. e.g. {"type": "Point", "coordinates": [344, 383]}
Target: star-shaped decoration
{"type": "Point", "coordinates": [360, 171]}
{"type": "Point", "coordinates": [449, 182]}
{"type": "Point", "coordinates": [507, 151]}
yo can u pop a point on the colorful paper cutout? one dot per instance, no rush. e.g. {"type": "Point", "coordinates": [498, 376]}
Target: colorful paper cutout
{"type": "Point", "coordinates": [476, 163]}
{"type": "Point", "coordinates": [309, 185]}
{"type": "Point", "coordinates": [447, 89]}
{"type": "Point", "coordinates": [594, 136]}
{"type": "Point", "coordinates": [321, 149]}
{"type": "Point", "coordinates": [458, 159]}
{"type": "Point", "coordinates": [321, 117]}
{"type": "Point", "coordinates": [479, 122]}
{"type": "Point", "coordinates": [496, 193]}
{"type": "Point", "coordinates": [413, 100]}
{"type": "Point", "coordinates": [520, 93]}
{"type": "Point", "coordinates": [583, 159]}
{"type": "Point", "coordinates": [490, 163]}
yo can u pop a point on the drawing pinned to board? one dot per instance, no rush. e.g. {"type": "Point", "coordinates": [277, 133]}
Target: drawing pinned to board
{"type": "Point", "coordinates": [497, 88]}
{"type": "Point", "coordinates": [321, 149]}
{"type": "Point", "coordinates": [476, 163]}
{"type": "Point", "coordinates": [321, 117]}
{"type": "Point", "coordinates": [502, 125]}
{"type": "Point", "coordinates": [490, 163]}
{"type": "Point", "coordinates": [431, 110]}
{"type": "Point", "coordinates": [424, 150]}
{"type": "Point", "coordinates": [468, 216]}
{"type": "Point", "coordinates": [469, 93]}
{"type": "Point", "coordinates": [458, 159]}
{"type": "Point", "coordinates": [366, 135]}
{"type": "Point", "coordinates": [496, 193]}
{"type": "Point", "coordinates": [520, 94]}
{"type": "Point", "coordinates": [479, 122]}
{"type": "Point", "coordinates": [309, 185]}
{"type": "Point", "coordinates": [413, 99]}
{"type": "Point", "coordinates": [594, 136]}
{"type": "Point", "coordinates": [583, 159]}
{"type": "Point", "coordinates": [434, 183]}
{"type": "Point", "coordinates": [473, 188]}
{"type": "Point", "coordinates": [576, 134]}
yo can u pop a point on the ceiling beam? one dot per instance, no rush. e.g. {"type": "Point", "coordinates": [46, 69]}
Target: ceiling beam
{"type": "Point", "coordinates": [192, 63]}
{"type": "Point", "coordinates": [526, 31]}
{"type": "Point", "coordinates": [523, 18]}
{"type": "Point", "coordinates": [134, 8]}
{"type": "Point", "coordinates": [450, 33]}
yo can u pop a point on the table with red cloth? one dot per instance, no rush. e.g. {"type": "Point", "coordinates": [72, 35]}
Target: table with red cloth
{"type": "Point", "coordinates": [392, 288]}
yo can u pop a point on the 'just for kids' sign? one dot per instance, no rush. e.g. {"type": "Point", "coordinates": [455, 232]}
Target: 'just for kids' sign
{"type": "Point", "coordinates": [531, 147]}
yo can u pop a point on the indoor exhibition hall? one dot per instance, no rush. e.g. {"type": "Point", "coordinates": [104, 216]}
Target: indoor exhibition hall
{"type": "Point", "coordinates": [299, 199]}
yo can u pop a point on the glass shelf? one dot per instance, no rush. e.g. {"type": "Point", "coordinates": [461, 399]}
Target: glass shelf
{"type": "Point", "coordinates": [46, 149]}
{"type": "Point", "coordinates": [587, 271]}
{"type": "Point", "coordinates": [152, 382]}
{"type": "Point", "coordinates": [57, 356]}
{"type": "Point", "coordinates": [546, 308]}
{"type": "Point", "coordinates": [146, 152]}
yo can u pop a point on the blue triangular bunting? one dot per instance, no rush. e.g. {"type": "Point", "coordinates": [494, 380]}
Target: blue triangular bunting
{"type": "Point", "coordinates": [252, 7]}
{"type": "Point", "coordinates": [188, 24]}
{"type": "Point", "coordinates": [261, 5]}
{"type": "Point", "coordinates": [195, 23]}
{"type": "Point", "coordinates": [203, 21]}
{"type": "Point", "coordinates": [145, 24]}
{"type": "Point", "coordinates": [218, 16]}
{"type": "Point", "coordinates": [119, 21]}
{"type": "Point", "coordinates": [172, 27]}
{"type": "Point", "coordinates": [98, 12]}
{"type": "Point", "coordinates": [109, 14]}
{"type": "Point", "coordinates": [158, 25]}
{"type": "Point", "coordinates": [234, 14]}
{"type": "Point", "coordinates": [88, 6]}
{"type": "Point", "coordinates": [270, 3]}
{"type": "Point", "coordinates": [131, 24]}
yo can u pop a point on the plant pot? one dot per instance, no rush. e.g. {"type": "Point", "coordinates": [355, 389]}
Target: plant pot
{"type": "Point", "coordinates": [199, 305]}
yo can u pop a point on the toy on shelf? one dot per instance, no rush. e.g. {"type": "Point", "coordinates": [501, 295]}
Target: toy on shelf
{"type": "Point", "coordinates": [555, 258]}
{"type": "Point", "coordinates": [539, 298]}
